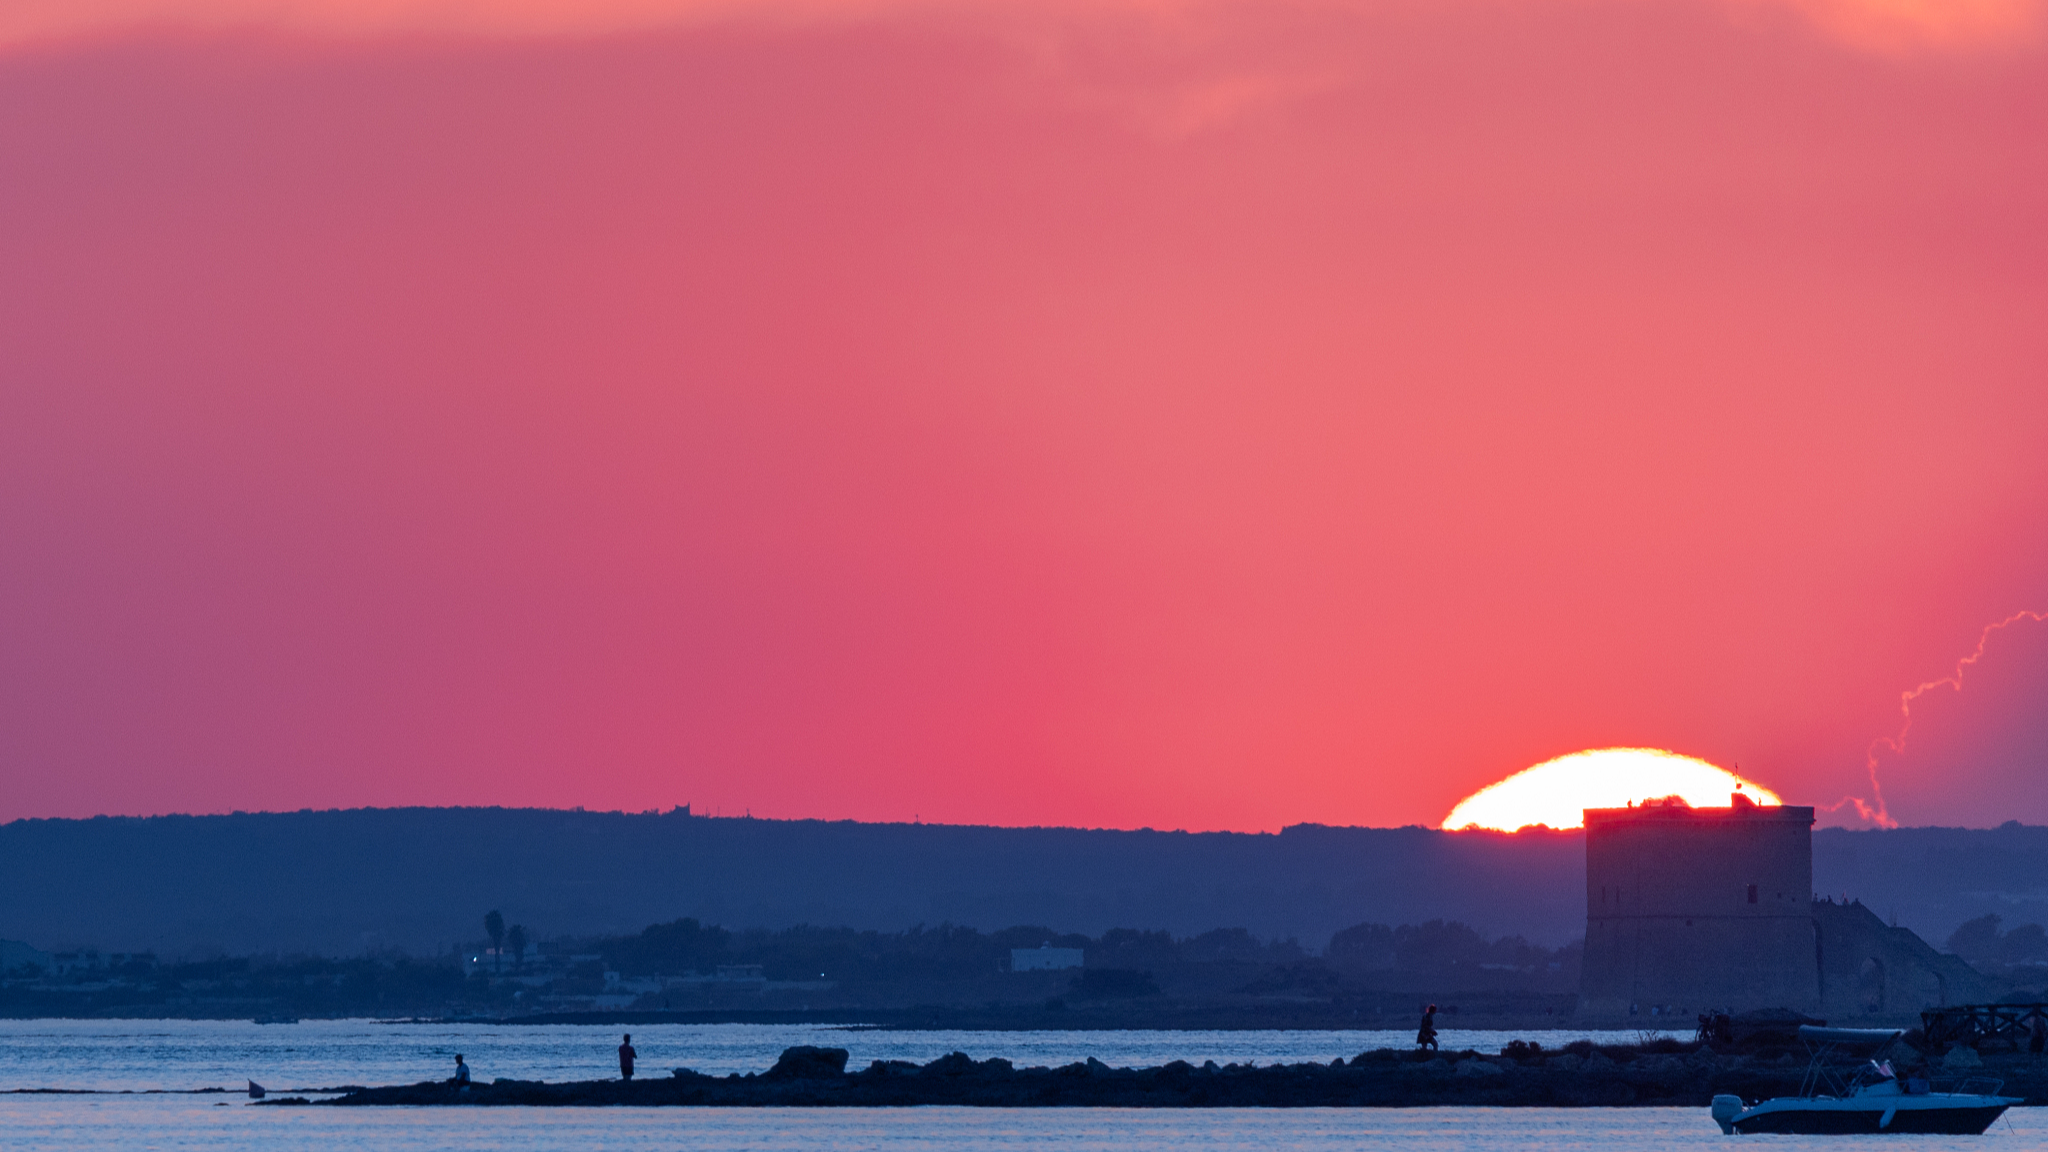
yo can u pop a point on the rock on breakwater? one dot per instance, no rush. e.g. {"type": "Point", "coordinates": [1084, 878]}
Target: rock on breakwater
{"type": "Point", "coordinates": [816, 1077]}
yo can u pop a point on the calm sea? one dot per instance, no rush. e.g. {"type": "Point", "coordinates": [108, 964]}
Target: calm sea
{"type": "Point", "coordinates": [118, 1062]}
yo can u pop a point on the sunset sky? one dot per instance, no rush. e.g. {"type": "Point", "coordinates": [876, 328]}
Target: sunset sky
{"type": "Point", "coordinates": [1129, 413]}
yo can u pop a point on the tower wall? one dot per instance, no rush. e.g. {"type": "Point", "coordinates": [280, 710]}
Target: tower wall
{"type": "Point", "coordinates": [1696, 908]}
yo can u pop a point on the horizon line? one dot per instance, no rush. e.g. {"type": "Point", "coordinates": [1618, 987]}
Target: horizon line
{"type": "Point", "coordinates": [686, 811]}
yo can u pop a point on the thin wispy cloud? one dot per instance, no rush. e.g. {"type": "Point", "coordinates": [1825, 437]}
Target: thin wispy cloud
{"type": "Point", "coordinates": [1882, 25]}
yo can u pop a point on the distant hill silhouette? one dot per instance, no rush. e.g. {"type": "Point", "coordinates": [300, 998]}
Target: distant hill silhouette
{"type": "Point", "coordinates": [1933, 879]}
{"type": "Point", "coordinates": [419, 879]}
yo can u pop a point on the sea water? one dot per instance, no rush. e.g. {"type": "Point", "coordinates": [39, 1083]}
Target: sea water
{"type": "Point", "coordinates": [130, 1085]}
{"type": "Point", "coordinates": [150, 1123]}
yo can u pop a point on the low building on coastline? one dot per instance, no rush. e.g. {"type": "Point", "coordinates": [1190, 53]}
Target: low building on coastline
{"type": "Point", "coordinates": [1044, 958]}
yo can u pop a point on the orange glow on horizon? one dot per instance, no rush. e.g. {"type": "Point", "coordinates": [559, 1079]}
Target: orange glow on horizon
{"type": "Point", "coordinates": [1555, 792]}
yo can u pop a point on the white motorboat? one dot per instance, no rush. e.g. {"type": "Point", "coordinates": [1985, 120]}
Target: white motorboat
{"type": "Point", "coordinates": [1872, 1098]}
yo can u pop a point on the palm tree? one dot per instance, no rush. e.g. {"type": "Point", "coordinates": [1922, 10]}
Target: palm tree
{"type": "Point", "coordinates": [494, 927]}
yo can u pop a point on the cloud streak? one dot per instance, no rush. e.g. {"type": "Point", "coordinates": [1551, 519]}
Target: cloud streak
{"type": "Point", "coordinates": [1891, 26]}
{"type": "Point", "coordinates": [1878, 25]}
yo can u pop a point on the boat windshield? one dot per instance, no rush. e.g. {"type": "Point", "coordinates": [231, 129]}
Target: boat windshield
{"type": "Point", "coordinates": [1875, 1078]}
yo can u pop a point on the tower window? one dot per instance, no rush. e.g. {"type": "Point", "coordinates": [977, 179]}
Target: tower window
{"type": "Point", "coordinates": [1752, 893]}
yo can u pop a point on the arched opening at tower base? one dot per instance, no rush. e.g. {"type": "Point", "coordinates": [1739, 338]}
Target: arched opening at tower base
{"type": "Point", "coordinates": [1870, 986]}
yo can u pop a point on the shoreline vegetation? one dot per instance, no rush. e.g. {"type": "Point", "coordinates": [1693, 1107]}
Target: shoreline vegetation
{"type": "Point", "coordinates": [1661, 1073]}
{"type": "Point", "coordinates": [685, 971]}
{"type": "Point", "coordinates": [1368, 977]}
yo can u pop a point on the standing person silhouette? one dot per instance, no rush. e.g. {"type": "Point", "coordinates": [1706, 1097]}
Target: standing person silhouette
{"type": "Point", "coordinates": [626, 1058]}
{"type": "Point", "coordinates": [1425, 1036]}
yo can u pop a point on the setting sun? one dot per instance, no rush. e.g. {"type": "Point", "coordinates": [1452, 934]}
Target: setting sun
{"type": "Point", "coordinates": [1554, 792]}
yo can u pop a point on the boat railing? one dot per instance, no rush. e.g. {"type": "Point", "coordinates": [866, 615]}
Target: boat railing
{"type": "Point", "coordinates": [1916, 1085]}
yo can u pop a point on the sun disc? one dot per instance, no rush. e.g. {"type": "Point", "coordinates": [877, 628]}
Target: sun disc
{"type": "Point", "coordinates": [1556, 792]}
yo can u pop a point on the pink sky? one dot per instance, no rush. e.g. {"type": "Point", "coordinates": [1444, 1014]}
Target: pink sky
{"type": "Point", "coordinates": [1188, 415]}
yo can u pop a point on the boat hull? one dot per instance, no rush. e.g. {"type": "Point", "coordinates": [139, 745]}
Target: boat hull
{"type": "Point", "coordinates": [1950, 1121]}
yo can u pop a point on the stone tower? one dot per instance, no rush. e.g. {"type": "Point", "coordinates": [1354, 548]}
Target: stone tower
{"type": "Point", "coordinates": [1696, 908]}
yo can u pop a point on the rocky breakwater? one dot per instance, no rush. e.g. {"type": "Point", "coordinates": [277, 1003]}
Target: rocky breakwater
{"type": "Point", "coordinates": [1523, 1076]}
